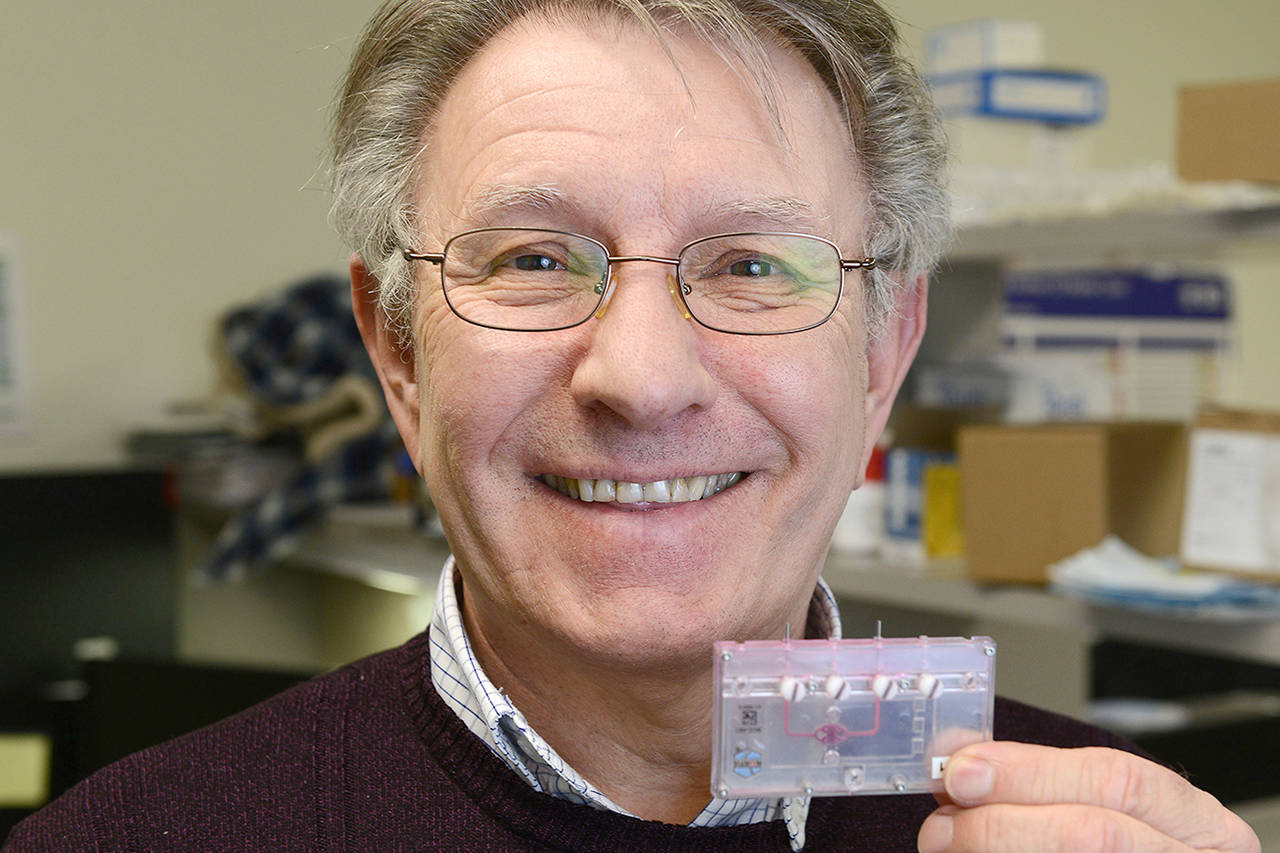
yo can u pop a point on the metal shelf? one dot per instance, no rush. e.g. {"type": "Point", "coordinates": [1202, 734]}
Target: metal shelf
{"type": "Point", "coordinates": [1185, 229]}
{"type": "Point", "coordinates": [943, 590]}
{"type": "Point", "coordinates": [400, 560]}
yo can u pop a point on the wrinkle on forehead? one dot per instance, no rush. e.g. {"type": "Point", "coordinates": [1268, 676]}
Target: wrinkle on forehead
{"type": "Point", "coordinates": [747, 57]}
{"type": "Point", "coordinates": [751, 64]}
{"type": "Point", "coordinates": [498, 98]}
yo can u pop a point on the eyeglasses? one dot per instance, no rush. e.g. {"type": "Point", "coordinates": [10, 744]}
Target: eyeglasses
{"type": "Point", "coordinates": [539, 280]}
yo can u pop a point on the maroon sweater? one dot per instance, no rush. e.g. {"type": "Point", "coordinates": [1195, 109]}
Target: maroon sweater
{"type": "Point", "coordinates": [369, 759]}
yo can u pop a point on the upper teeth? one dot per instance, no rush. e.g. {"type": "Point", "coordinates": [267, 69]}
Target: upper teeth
{"type": "Point", "coordinates": [677, 490]}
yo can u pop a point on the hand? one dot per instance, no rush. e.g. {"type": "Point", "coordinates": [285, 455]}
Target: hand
{"type": "Point", "coordinates": [1005, 796]}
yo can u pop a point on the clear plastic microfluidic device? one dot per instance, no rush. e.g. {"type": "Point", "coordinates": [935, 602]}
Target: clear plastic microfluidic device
{"type": "Point", "coordinates": [839, 717]}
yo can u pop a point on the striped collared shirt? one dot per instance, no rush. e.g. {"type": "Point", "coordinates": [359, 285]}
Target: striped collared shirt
{"type": "Point", "coordinates": [492, 717]}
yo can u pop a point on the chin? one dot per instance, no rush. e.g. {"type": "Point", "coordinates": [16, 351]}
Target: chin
{"type": "Point", "coordinates": [647, 629]}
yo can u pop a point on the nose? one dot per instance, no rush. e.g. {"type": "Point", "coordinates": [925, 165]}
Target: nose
{"type": "Point", "coordinates": [643, 360]}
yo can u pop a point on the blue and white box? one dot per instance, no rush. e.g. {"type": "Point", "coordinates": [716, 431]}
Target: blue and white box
{"type": "Point", "coordinates": [1120, 343]}
{"type": "Point", "coordinates": [1125, 306]}
{"type": "Point", "coordinates": [1028, 94]}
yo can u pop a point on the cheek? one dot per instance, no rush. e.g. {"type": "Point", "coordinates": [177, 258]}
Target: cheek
{"type": "Point", "coordinates": [813, 394]}
{"type": "Point", "coordinates": [474, 384]}
{"type": "Point", "coordinates": [452, 389]}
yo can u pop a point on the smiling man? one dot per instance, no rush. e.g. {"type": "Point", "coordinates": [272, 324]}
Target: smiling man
{"type": "Point", "coordinates": [621, 484]}
{"type": "Point", "coordinates": [641, 279]}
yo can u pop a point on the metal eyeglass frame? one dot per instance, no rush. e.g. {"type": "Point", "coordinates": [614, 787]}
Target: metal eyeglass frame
{"type": "Point", "coordinates": [606, 292]}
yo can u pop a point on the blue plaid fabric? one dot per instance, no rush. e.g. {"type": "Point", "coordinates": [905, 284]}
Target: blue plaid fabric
{"type": "Point", "coordinates": [292, 346]}
{"type": "Point", "coordinates": [491, 716]}
{"type": "Point", "coordinates": [290, 349]}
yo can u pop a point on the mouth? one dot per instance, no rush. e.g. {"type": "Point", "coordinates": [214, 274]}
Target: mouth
{"type": "Point", "coordinates": [675, 490]}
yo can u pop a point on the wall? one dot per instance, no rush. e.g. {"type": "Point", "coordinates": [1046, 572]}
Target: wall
{"type": "Point", "coordinates": [159, 164]}
{"type": "Point", "coordinates": [1249, 379]}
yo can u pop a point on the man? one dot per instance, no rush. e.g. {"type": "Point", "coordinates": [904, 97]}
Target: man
{"type": "Point", "coordinates": [640, 280]}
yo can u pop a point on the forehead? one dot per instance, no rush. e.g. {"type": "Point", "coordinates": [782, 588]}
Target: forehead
{"type": "Point", "coordinates": [596, 123]}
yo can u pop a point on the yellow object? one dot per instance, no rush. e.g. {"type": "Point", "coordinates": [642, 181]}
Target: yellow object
{"type": "Point", "coordinates": [942, 528]}
{"type": "Point", "coordinates": [24, 770]}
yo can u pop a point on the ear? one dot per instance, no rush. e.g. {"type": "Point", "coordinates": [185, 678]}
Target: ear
{"type": "Point", "coordinates": [890, 356]}
{"type": "Point", "coordinates": [394, 364]}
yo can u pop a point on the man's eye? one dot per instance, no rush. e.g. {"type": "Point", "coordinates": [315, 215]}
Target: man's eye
{"type": "Point", "coordinates": [754, 268]}
{"type": "Point", "coordinates": [536, 263]}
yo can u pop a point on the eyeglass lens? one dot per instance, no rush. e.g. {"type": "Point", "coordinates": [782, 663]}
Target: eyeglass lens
{"type": "Point", "coordinates": [528, 280]}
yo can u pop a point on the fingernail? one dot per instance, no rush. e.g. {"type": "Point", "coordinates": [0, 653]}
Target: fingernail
{"type": "Point", "coordinates": [935, 834]}
{"type": "Point", "coordinates": [969, 779]}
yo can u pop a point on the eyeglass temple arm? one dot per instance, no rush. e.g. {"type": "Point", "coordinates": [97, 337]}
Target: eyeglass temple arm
{"type": "Point", "coordinates": [858, 264]}
{"type": "Point", "coordinates": [436, 258]}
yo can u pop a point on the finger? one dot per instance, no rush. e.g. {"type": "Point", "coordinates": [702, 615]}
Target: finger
{"type": "Point", "coordinates": [949, 742]}
{"type": "Point", "coordinates": [1024, 774]}
{"type": "Point", "coordinates": [1045, 829]}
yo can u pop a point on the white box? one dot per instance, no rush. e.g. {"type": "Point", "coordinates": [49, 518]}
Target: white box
{"type": "Point", "coordinates": [1231, 518]}
{"type": "Point", "coordinates": [982, 44]}
{"type": "Point", "coordinates": [1035, 148]}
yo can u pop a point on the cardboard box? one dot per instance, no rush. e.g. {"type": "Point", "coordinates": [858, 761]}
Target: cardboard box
{"type": "Point", "coordinates": [1032, 495]}
{"type": "Point", "coordinates": [1232, 520]}
{"type": "Point", "coordinates": [1228, 131]}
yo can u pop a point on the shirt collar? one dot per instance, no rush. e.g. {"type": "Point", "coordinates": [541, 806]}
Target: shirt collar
{"type": "Point", "coordinates": [491, 716]}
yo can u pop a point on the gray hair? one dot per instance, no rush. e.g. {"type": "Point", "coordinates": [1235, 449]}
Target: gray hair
{"type": "Point", "coordinates": [412, 50]}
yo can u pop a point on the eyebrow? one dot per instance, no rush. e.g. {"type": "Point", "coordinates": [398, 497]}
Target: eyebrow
{"type": "Point", "coordinates": [783, 212]}
{"type": "Point", "coordinates": [491, 201]}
